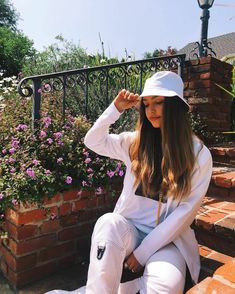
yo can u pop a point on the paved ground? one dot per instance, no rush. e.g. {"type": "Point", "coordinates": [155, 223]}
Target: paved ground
{"type": "Point", "coordinates": [68, 279]}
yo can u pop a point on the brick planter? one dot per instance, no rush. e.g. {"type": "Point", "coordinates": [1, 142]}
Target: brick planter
{"type": "Point", "coordinates": [40, 243]}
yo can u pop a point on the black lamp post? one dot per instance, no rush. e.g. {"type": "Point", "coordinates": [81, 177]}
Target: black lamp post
{"type": "Point", "coordinates": [205, 5]}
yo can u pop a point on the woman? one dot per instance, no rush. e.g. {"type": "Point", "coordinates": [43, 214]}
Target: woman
{"type": "Point", "coordinates": [168, 170]}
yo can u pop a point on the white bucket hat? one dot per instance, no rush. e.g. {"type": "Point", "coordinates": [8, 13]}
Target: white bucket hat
{"type": "Point", "coordinates": [164, 83]}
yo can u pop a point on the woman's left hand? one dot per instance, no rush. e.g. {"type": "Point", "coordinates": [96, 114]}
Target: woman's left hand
{"type": "Point", "coordinates": [133, 264]}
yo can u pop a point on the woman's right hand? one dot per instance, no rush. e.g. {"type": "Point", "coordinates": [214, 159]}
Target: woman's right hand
{"type": "Point", "coordinates": [125, 100]}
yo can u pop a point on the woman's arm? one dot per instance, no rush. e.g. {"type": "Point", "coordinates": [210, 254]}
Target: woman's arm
{"type": "Point", "coordinates": [98, 138]}
{"type": "Point", "coordinates": [183, 215]}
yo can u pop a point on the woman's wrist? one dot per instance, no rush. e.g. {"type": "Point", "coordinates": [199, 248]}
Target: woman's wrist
{"type": "Point", "coordinates": [118, 107]}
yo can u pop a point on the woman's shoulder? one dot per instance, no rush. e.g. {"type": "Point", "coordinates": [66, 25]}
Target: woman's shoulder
{"type": "Point", "coordinates": [201, 151]}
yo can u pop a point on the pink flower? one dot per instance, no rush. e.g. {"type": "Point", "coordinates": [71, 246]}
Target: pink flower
{"type": "Point", "coordinates": [53, 216]}
{"type": "Point", "coordinates": [86, 153]}
{"type": "Point", "coordinates": [39, 91]}
{"type": "Point", "coordinates": [47, 172]}
{"type": "Point", "coordinates": [84, 183]}
{"type": "Point", "coordinates": [90, 170]}
{"type": "Point", "coordinates": [36, 162]}
{"type": "Point", "coordinates": [57, 135]}
{"type": "Point", "coordinates": [121, 173]}
{"type": "Point", "coordinates": [110, 173]}
{"type": "Point", "coordinates": [2, 216]}
{"type": "Point", "coordinates": [90, 176]}
{"type": "Point", "coordinates": [1, 196]}
{"type": "Point", "coordinates": [47, 121]}
{"type": "Point", "coordinates": [12, 150]}
{"type": "Point", "coordinates": [21, 127]}
{"type": "Point", "coordinates": [59, 160]}
{"type": "Point", "coordinates": [13, 170]}
{"type": "Point", "coordinates": [50, 141]}
{"type": "Point", "coordinates": [15, 143]}
{"type": "Point", "coordinates": [14, 201]}
{"type": "Point", "coordinates": [87, 160]}
{"type": "Point", "coordinates": [11, 159]}
{"type": "Point", "coordinates": [4, 151]}
{"type": "Point", "coordinates": [99, 191]}
{"type": "Point", "coordinates": [30, 172]}
{"type": "Point", "coordinates": [42, 135]}
{"type": "Point", "coordinates": [68, 180]}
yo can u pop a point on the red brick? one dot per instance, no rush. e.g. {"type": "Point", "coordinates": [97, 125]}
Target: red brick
{"type": "Point", "coordinates": [31, 245]}
{"type": "Point", "coordinates": [215, 286]}
{"type": "Point", "coordinates": [79, 204]}
{"type": "Point", "coordinates": [200, 288]}
{"type": "Point", "coordinates": [50, 226]}
{"type": "Point", "coordinates": [205, 76]}
{"type": "Point", "coordinates": [4, 267]}
{"type": "Point", "coordinates": [227, 227]}
{"type": "Point", "coordinates": [226, 180]}
{"type": "Point", "coordinates": [227, 271]}
{"type": "Point", "coordinates": [21, 232]}
{"type": "Point", "coordinates": [20, 263]}
{"type": "Point", "coordinates": [57, 251]}
{"type": "Point", "coordinates": [69, 220]}
{"type": "Point", "coordinates": [67, 261]}
{"type": "Point", "coordinates": [229, 206]}
{"type": "Point", "coordinates": [54, 200]}
{"type": "Point", "coordinates": [31, 275]}
{"type": "Point", "coordinates": [220, 257]}
{"type": "Point", "coordinates": [208, 219]}
{"type": "Point", "coordinates": [70, 195]}
{"type": "Point", "coordinates": [32, 216]}
{"type": "Point", "coordinates": [65, 209]}
{"type": "Point", "coordinates": [218, 192]}
{"type": "Point", "coordinates": [231, 152]}
{"type": "Point", "coordinates": [204, 251]}
{"type": "Point", "coordinates": [74, 232]}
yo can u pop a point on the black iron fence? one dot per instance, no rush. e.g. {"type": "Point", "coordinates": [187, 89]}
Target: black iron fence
{"type": "Point", "coordinates": [88, 91]}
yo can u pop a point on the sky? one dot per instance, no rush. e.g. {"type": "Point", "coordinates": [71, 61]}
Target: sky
{"type": "Point", "coordinates": [132, 26]}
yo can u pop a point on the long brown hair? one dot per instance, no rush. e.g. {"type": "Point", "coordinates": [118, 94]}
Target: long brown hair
{"type": "Point", "coordinates": [163, 160]}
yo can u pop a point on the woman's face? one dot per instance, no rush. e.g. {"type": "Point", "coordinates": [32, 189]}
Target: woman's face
{"type": "Point", "coordinates": [153, 109]}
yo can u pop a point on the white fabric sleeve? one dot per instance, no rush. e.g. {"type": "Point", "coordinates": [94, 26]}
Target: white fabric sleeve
{"type": "Point", "coordinates": [184, 214]}
{"type": "Point", "coordinates": [99, 140]}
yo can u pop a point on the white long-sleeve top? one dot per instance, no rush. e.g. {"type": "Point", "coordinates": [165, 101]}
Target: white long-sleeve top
{"type": "Point", "coordinates": [176, 216]}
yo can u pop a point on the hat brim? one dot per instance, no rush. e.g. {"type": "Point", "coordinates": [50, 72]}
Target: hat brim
{"type": "Point", "coordinates": [162, 92]}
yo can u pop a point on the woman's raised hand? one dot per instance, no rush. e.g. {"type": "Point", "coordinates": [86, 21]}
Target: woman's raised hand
{"type": "Point", "coordinates": [125, 100]}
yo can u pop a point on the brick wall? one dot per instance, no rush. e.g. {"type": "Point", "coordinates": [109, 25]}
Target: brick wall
{"type": "Point", "coordinates": [40, 243]}
{"type": "Point", "coordinates": [212, 103]}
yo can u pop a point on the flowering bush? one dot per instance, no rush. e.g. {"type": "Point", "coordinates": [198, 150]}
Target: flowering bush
{"type": "Point", "coordinates": [36, 165]}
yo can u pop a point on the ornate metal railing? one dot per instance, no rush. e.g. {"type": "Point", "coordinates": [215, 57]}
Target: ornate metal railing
{"type": "Point", "coordinates": [90, 90]}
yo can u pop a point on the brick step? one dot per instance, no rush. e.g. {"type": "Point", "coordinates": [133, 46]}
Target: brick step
{"type": "Point", "coordinates": [222, 183]}
{"type": "Point", "coordinates": [223, 279]}
{"type": "Point", "coordinates": [214, 225]}
{"type": "Point", "coordinates": [223, 154]}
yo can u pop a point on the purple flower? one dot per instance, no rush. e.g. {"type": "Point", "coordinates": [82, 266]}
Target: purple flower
{"type": "Point", "coordinates": [121, 173]}
{"type": "Point", "coordinates": [59, 160]}
{"type": "Point", "coordinates": [36, 162]}
{"type": "Point", "coordinates": [13, 170]}
{"type": "Point", "coordinates": [14, 201]}
{"type": "Point", "coordinates": [99, 191]}
{"type": "Point", "coordinates": [110, 173]}
{"type": "Point", "coordinates": [60, 143]}
{"type": "Point", "coordinates": [30, 172]}
{"type": "Point", "coordinates": [1, 196]}
{"type": "Point", "coordinates": [50, 141]}
{"type": "Point", "coordinates": [21, 127]}
{"type": "Point", "coordinates": [42, 135]}
{"type": "Point", "coordinates": [87, 160]}
{"type": "Point", "coordinates": [58, 135]}
{"type": "Point", "coordinates": [4, 151]}
{"type": "Point", "coordinates": [12, 150]}
{"type": "Point", "coordinates": [68, 180]}
{"type": "Point", "coordinates": [47, 172]}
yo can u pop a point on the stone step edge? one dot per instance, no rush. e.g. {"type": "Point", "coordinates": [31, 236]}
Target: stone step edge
{"type": "Point", "coordinates": [223, 151]}
{"type": "Point", "coordinates": [217, 216]}
{"type": "Point", "coordinates": [223, 281]}
{"type": "Point", "coordinates": [223, 177]}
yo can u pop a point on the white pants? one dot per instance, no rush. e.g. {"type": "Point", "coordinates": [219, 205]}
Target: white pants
{"type": "Point", "coordinates": [113, 239]}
